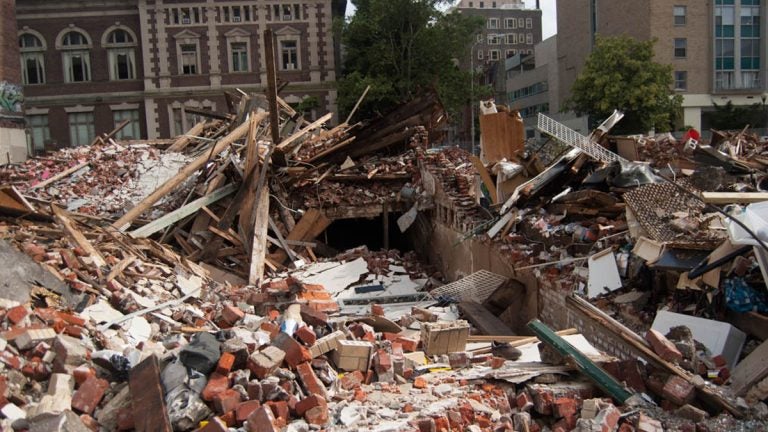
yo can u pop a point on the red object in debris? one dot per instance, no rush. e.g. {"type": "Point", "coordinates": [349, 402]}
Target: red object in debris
{"type": "Point", "coordinates": [691, 133]}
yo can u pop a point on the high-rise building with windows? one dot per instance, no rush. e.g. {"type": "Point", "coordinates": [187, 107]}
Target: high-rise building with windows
{"type": "Point", "coordinates": [717, 48]}
{"type": "Point", "coordinates": [88, 66]}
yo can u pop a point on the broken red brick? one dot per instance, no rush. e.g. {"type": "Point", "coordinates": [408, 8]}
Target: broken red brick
{"type": "Point", "coordinates": [225, 363]}
{"type": "Point", "coordinates": [310, 402]}
{"type": "Point", "coordinates": [226, 401]}
{"type": "Point", "coordinates": [409, 344]}
{"type": "Point", "coordinates": [262, 420]}
{"type": "Point", "coordinates": [678, 390]}
{"type": "Point", "coordinates": [306, 335]}
{"type": "Point", "coordinates": [309, 379]}
{"type": "Point", "coordinates": [280, 410]}
{"type": "Point", "coordinates": [313, 317]}
{"type": "Point", "coordinates": [663, 347]}
{"type": "Point", "coordinates": [563, 407]}
{"type": "Point", "coordinates": [295, 353]}
{"type": "Point", "coordinates": [244, 409]}
{"type": "Point", "coordinates": [16, 314]}
{"type": "Point", "coordinates": [524, 402]}
{"type": "Point", "coordinates": [232, 314]}
{"type": "Point", "coordinates": [88, 396]}
{"type": "Point", "coordinates": [217, 383]}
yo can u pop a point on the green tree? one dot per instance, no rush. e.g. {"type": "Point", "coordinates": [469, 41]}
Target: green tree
{"type": "Point", "coordinates": [402, 47]}
{"type": "Point", "coordinates": [730, 116]}
{"type": "Point", "coordinates": [620, 74]}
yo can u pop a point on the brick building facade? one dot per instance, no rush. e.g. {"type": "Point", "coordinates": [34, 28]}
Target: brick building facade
{"type": "Point", "coordinates": [86, 69]}
{"type": "Point", "coordinates": [13, 146]}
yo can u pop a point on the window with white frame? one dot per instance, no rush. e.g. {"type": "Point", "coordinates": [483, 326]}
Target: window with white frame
{"type": "Point", "coordinates": [81, 129]}
{"type": "Point", "coordinates": [511, 38]}
{"type": "Point", "coordinates": [510, 23]}
{"type": "Point", "coordinates": [521, 22]}
{"type": "Point", "coordinates": [493, 23]}
{"type": "Point", "coordinates": [76, 58]}
{"type": "Point", "coordinates": [479, 54]}
{"type": "Point", "coordinates": [39, 131]}
{"type": "Point", "coordinates": [121, 51]}
{"type": "Point", "coordinates": [494, 54]}
{"type": "Point", "coordinates": [479, 37]}
{"type": "Point", "coordinates": [32, 52]}
{"type": "Point", "coordinates": [133, 129]}
{"type": "Point", "coordinates": [529, 23]}
{"type": "Point", "coordinates": [188, 54]}
{"type": "Point", "coordinates": [511, 53]}
{"type": "Point", "coordinates": [529, 38]}
{"type": "Point", "coordinates": [679, 13]}
{"type": "Point", "coordinates": [681, 47]}
{"type": "Point", "coordinates": [286, 12]}
{"type": "Point", "coordinates": [521, 38]}
{"type": "Point", "coordinates": [239, 55]}
{"type": "Point", "coordinates": [289, 54]}
{"type": "Point", "coordinates": [493, 39]}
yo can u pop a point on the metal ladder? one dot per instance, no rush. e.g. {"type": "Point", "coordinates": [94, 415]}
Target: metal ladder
{"type": "Point", "coordinates": [572, 138]}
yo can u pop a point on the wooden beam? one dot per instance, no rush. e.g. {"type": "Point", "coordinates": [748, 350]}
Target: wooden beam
{"type": "Point", "coordinates": [750, 371]}
{"type": "Point", "coordinates": [120, 267]}
{"type": "Point", "coordinates": [77, 235]}
{"type": "Point", "coordinates": [487, 181]}
{"type": "Point", "coordinates": [283, 146]}
{"type": "Point", "coordinates": [753, 323]}
{"type": "Point", "coordinates": [124, 221]}
{"type": "Point", "coordinates": [61, 175]}
{"type": "Point", "coordinates": [117, 129]}
{"type": "Point", "coordinates": [274, 111]}
{"type": "Point", "coordinates": [310, 226]}
{"type": "Point", "coordinates": [720, 198]}
{"type": "Point", "coordinates": [357, 105]}
{"type": "Point", "coordinates": [259, 245]}
{"type": "Point", "coordinates": [148, 404]}
{"type": "Point", "coordinates": [183, 141]}
{"type": "Point", "coordinates": [484, 320]}
{"type": "Point", "coordinates": [180, 213]}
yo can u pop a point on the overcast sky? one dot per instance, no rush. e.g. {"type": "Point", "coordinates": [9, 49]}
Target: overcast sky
{"type": "Point", "coordinates": [548, 18]}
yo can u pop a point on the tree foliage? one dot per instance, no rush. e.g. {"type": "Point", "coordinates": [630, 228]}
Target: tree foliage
{"type": "Point", "coordinates": [620, 74]}
{"type": "Point", "coordinates": [730, 116]}
{"type": "Point", "coordinates": [402, 47]}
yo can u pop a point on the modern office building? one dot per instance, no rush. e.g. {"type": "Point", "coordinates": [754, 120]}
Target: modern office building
{"type": "Point", "coordinates": [510, 30]}
{"type": "Point", "coordinates": [88, 66]}
{"type": "Point", "coordinates": [716, 47]}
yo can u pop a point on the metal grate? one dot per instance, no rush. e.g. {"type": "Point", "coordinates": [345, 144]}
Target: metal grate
{"type": "Point", "coordinates": [478, 287]}
{"type": "Point", "coordinates": [574, 139]}
{"type": "Point", "coordinates": [655, 205]}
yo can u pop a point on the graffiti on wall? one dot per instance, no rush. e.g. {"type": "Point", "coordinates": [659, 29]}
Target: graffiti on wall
{"type": "Point", "coordinates": [11, 97]}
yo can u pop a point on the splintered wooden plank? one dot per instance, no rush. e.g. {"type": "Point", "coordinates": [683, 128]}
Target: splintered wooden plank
{"type": "Point", "coordinates": [720, 198]}
{"type": "Point", "coordinates": [286, 143]}
{"type": "Point", "coordinates": [11, 199]}
{"type": "Point", "coordinates": [183, 141]}
{"type": "Point", "coordinates": [148, 404]}
{"type": "Point", "coordinates": [180, 213]}
{"type": "Point", "coordinates": [311, 225]}
{"type": "Point", "coordinates": [487, 181]}
{"type": "Point", "coordinates": [483, 319]}
{"type": "Point", "coordinates": [61, 175]}
{"type": "Point", "coordinates": [259, 248]}
{"type": "Point", "coordinates": [77, 236]}
{"type": "Point", "coordinates": [750, 371]}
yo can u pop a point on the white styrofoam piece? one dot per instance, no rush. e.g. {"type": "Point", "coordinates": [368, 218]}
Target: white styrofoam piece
{"type": "Point", "coordinates": [530, 352]}
{"type": "Point", "coordinates": [718, 337]}
{"type": "Point", "coordinates": [336, 279]}
{"type": "Point", "coordinates": [603, 274]}
{"type": "Point", "coordinates": [101, 312]}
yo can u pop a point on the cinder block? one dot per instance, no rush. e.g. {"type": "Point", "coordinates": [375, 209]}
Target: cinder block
{"type": "Point", "coordinates": [444, 337]}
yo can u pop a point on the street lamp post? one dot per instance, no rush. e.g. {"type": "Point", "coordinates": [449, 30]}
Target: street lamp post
{"type": "Point", "coordinates": [472, 94]}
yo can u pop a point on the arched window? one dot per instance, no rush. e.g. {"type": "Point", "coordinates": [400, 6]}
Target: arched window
{"type": "Point", "coordinates": [32, 59]}
{"type": "Point", "coordinates": [121, 48]}
{"type": "Point", "coordinates": [76, 58]}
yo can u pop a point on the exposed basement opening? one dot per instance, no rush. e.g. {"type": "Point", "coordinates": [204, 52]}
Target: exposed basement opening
{"type": "Point", "coordinates": [345, 234]}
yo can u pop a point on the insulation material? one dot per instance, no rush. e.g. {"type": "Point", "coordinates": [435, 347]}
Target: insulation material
{"type": "Point", "coordinates": [603, 274]}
